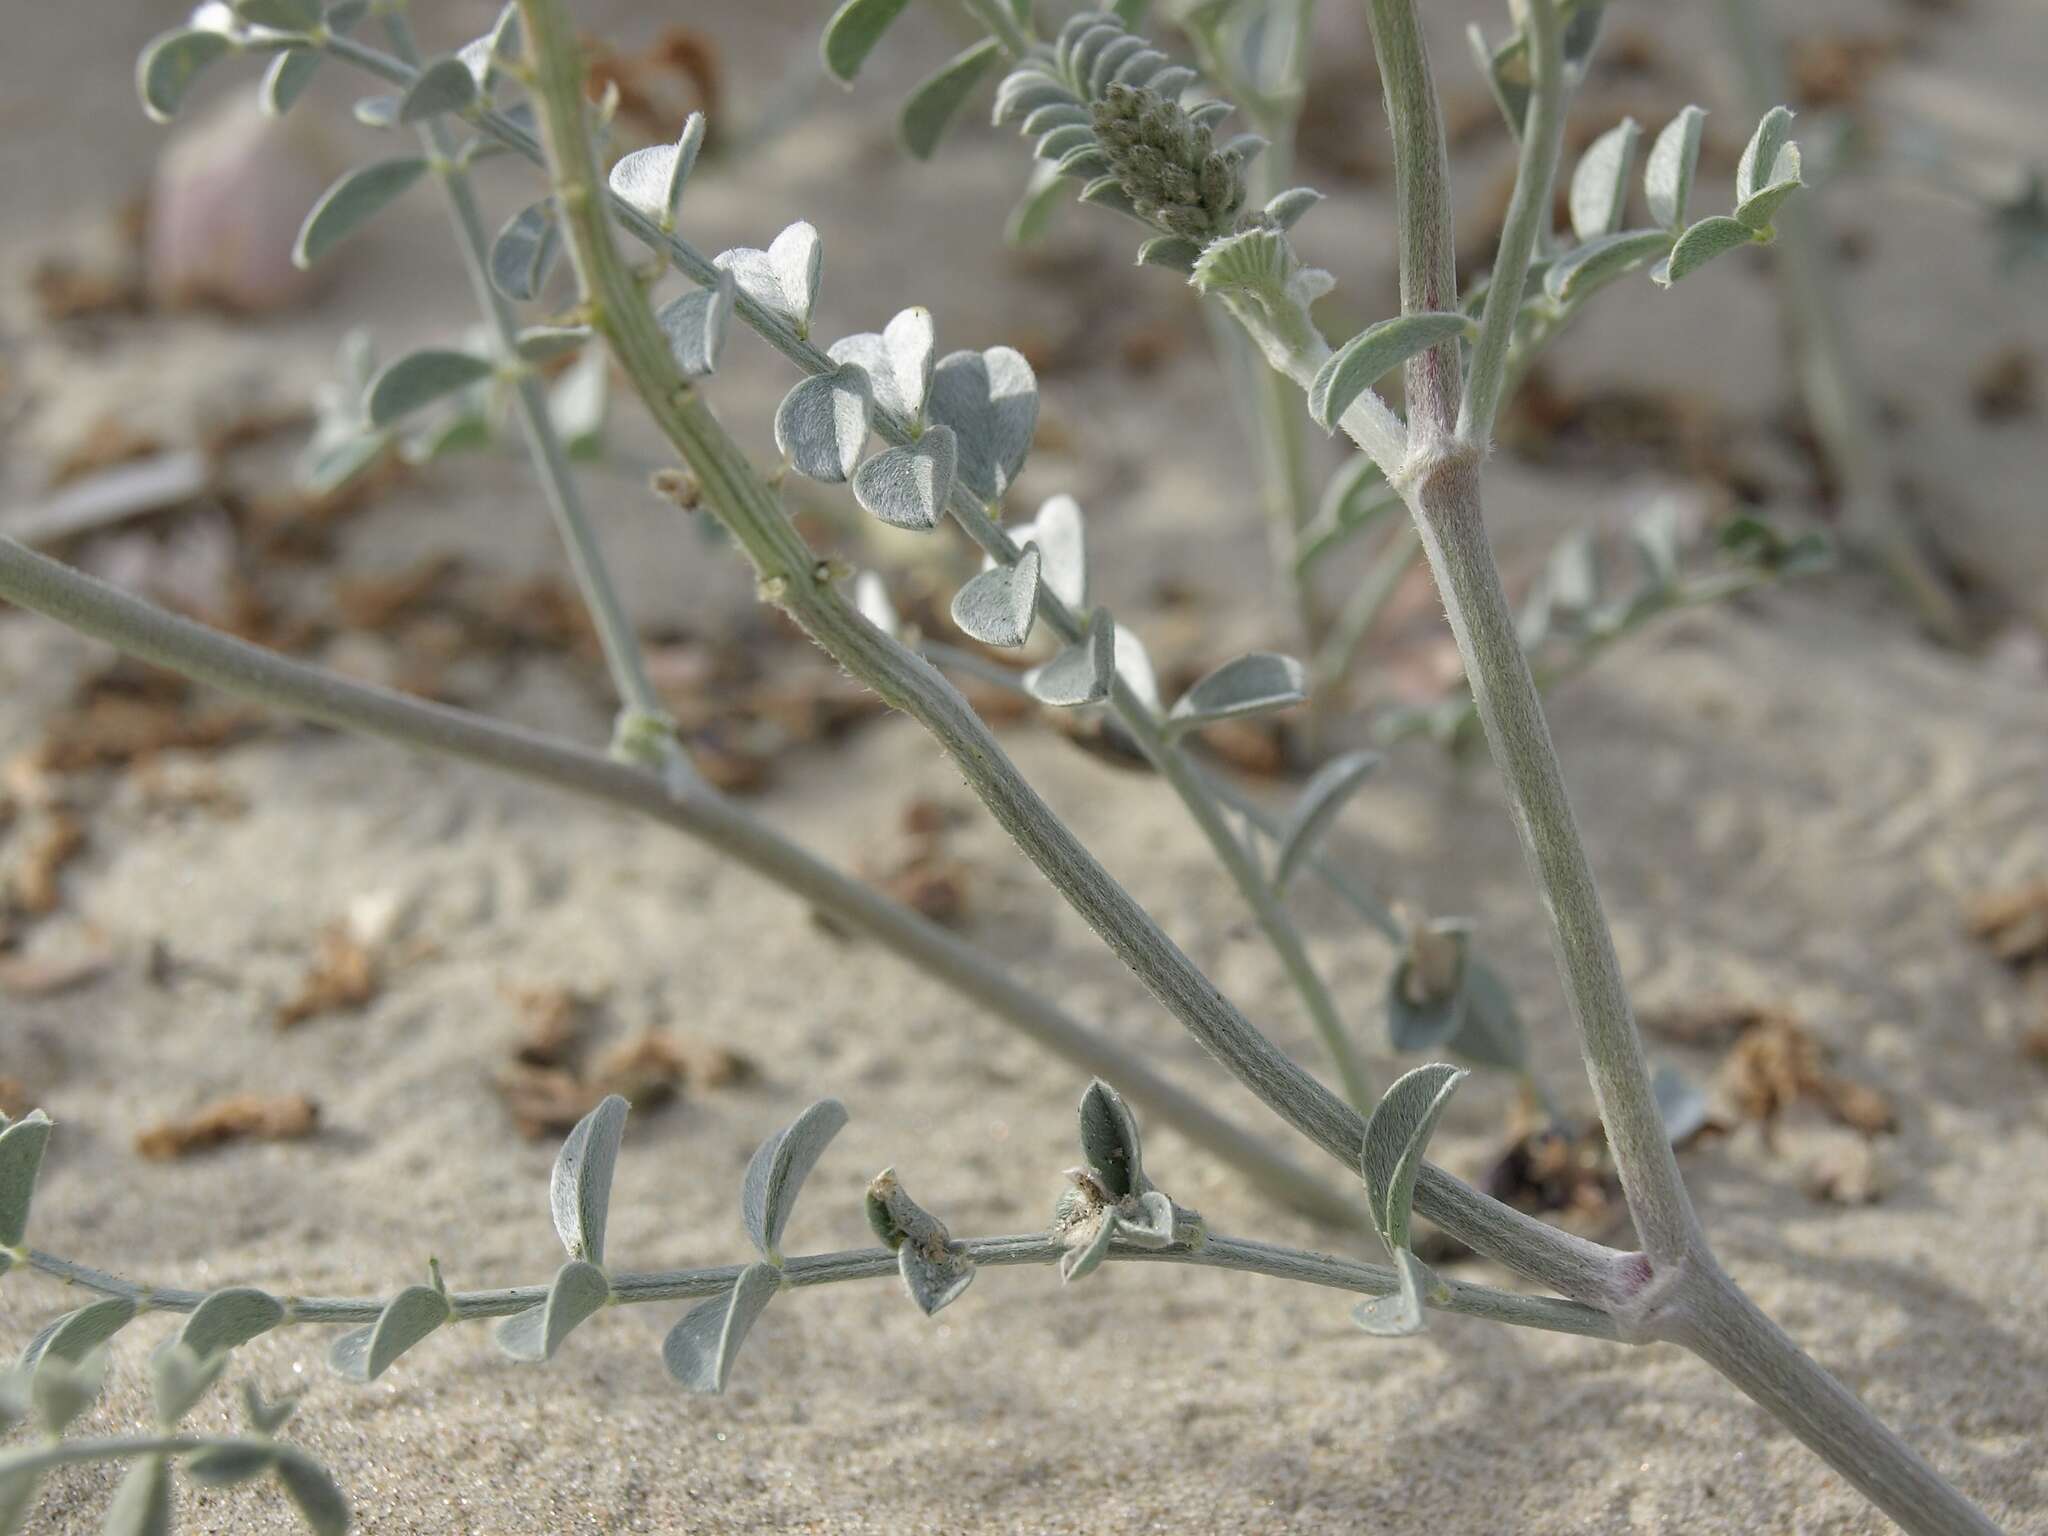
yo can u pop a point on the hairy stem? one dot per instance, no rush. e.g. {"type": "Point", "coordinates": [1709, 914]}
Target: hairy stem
{"type": "Point", "coordinates": [790, 575]}
{"type": "Point", "coordinates": [44, 586]}
{"type": "Point", "coordinates": [1422, 209]}
{"type": "Point", "coordinates": [1680, 1292]}
{"type": "Point", "coordinates": [1810, 295]}
{"type": "Point", "coordinates": [1211, 1252]}
{"type": "Point", "coordinates": [641, 705]}
{"type": "Point", "coordinates": [1447, 511]}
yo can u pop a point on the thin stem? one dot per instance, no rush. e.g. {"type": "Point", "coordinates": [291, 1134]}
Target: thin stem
{"type": "Point", "coordinates": [38, 1459]}
{"type": "Point", "coordinates": [1137, 718]}
{"type": "Point", "coordinates": [790, 576]}
{"type": "Point", "coordinates": [1528, 218]}
{"type": "Point", "coordinates": [1212, 1252]}
{"type": "Point", "coordinates": [1334, 875]}
{"type": "Point", "coordinates": [644, 730]}
{"type": "Point", "coordinates": [1197, 794]}
{"type": "Point", "coordinates": [1810, 296]}
{"type": "Point", "coordinates": [91, 607]}
{"type": "Point", "coordinates": [1272, 421]}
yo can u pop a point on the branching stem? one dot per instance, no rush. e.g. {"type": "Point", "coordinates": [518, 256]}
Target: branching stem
{"type": "Point", "coordinates": [788, 573]}
{"type": "Point", "coordinates": [247, 671]}
{"type": "Point", "coordinates": [1272, 917]}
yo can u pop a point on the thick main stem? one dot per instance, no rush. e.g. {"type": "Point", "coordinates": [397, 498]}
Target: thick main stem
{"type": "Point", "coordinates": [1681, 1293]}
{"type": "Point", "coordinates": [1447, 515]}
{"type": "Point", "coordinates": [91, 607]}
{"type": "Point", "coordinates": [1422, 209]}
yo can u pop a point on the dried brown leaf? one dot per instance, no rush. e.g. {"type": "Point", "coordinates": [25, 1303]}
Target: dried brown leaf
{"type": "Point", "coordinates": [553, 1020]}
{"type": "Point", "coordinates": [29, 976]}
{"type": "Point", "coordinates": [343, 977]}
{"type": "Point", "coordinates": [241, 1116]}
{"type": "Point", "coordinates": [544, 1101]}
{"type": "Point", "coordinates": [2012, 923]}
{"type": "Point", "coordinates": [59, 840]}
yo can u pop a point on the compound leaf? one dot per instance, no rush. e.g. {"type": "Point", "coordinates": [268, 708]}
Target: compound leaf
{"type": "Point", "coordinates": [142, 1504]}
{"type": "Point", "coordinates": [990, 400]}
{"type": "Point", "coordinates": [1599, 191]}
{"type": "Point", "coordinates": [1317, 806]}
{"type": "Point", "coordinates": [76, 1334]}
{"type": "Point", "coordinates": [580, 1192]}
{"type": "Point", "coordinates": [1109, 1141]}
{"type": "Point", "coordinates": [822, 424]}
{"type": "Point", "coordinates": [1701, 244]}
{"type": "Point", "coordinates": [1082, 673]}
{"type": "Point", "coordinates": [696, 325]}
{"type": "Point", "coordinates": [853, 31]}
{"type": "Point", "coordinates": [169, 65]}
{"type": "Point", "coordinates": [228, 1319]}
{"type": "Point", "coordinates": [1667, 175]}
{"type": "Point", "coordinates": [321, 1504]}
{"type": "Point", "coordinates": [419, 379]}
{"type": "Point", "coordinates": [444, 86]}
{"type": "Point", "coordinates": [21, 1159]}
{"type": "Point", "coordinates": [364, 1354]}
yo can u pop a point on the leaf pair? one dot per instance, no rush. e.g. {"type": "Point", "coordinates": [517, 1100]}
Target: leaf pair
{"type": "Point", "coordinates": [1768, 174]}
{"type": "Point", "coordinates": [907, 485]}
{"type": "Point", "coordinates": [1372, 354]}
{"type": "Point", "coordinates": [579, 1199]}
{"type": "Point", "coordinates": [700, 1349]}
{"type": "Point", "coordinates": [1396, 1136]}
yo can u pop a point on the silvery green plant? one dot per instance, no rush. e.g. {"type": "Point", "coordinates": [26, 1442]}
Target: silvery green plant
{"type": "Point", "coordinates": [960, 427]}
{"type": "Point", "coordinates": [1253, 53]}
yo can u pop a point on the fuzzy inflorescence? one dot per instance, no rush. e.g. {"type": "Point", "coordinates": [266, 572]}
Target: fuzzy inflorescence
{"type": "Point", "coordinates": [1168, 163]}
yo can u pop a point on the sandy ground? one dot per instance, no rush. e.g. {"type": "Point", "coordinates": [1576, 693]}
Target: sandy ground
{"type": "Point", "coordinates": [1790, 802]}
